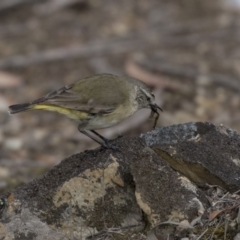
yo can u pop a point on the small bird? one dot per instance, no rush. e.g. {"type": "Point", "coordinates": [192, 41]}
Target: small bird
{"type": "Point", "coordinates": [96, 102]}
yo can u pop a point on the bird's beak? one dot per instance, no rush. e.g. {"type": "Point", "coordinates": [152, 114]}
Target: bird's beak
{"type": "Point", "coordinates": [154, 107]}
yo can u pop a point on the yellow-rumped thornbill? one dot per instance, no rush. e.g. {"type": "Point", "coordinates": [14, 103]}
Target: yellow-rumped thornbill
{"type": "Point", "coordinates": [96, 102]}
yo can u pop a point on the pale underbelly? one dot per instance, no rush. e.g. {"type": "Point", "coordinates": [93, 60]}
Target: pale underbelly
{"type": "Point", "coordinates": [100, 123]}
{"type": "Point", "coordinates": [105, 121]}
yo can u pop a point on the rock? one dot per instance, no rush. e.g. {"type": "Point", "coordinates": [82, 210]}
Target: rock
{"type": "Point", "coordinates": [151, 172]}
{"type": "Point", "coordinates": [237, 237]}
{"type": "Point", "coordinates": [13, 143]}
{"type": "Point", "coordinates": [91, 193]}
{"type": "Point", "coordinates": [203, 152]}
{"type": "Point", "coordinates": [101, 193]}
{"type": "Point", "coordinates": [131, 194]}
{"type": "Point", "coordinates": [164, 194]}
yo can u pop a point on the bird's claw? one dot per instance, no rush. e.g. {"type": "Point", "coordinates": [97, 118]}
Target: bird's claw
{"type": "Point", "coordinates": [109, 145]}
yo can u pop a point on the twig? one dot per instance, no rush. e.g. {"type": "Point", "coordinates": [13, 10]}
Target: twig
{"type": "Point", "coordinates": [8, 4]}
{"type": "Point", "coordinates": [195, 221]}
{"type": "Point", "coordinates": [88, 50]}
{"type": "Point", "coordinates": [221, 199]}
{"type": "Point", "coordinates": [55, 5]}
{"type": "Point", "coordinates": [174, 223]}
{"type": "Point", "coordinates": [225, 229]}
{"type": "Point", "coordinates": [132, 42]}
{"type": "Point", "coordinates": [202, 234]}
{"type": "Point", "coordinates": [188, 72]}
{"type": "Point", "coordinates": [216, 228]}
{"type": "Point", "coordinates": [238, 216]}
{"type": "Point", "coordinates": [237, 192]}
{"type": "Point", "coordinates": [16, 29]}
{"type": "Point", "coordinates": [113, 230]}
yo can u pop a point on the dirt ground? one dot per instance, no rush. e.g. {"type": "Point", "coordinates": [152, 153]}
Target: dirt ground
{"type": "Point", "coordinates": [187, 51]}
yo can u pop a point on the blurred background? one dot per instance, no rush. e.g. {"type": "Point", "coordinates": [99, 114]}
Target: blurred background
{"type": "Point", "coordinates": [187, 51]}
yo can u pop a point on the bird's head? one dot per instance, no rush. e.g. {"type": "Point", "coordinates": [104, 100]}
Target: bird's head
{"type": "Point", "coordinates": [148, 101]}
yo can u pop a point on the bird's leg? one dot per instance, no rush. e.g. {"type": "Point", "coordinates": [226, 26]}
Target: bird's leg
{"type": "Point", "coordinates": [90, 136]}
{"type": "Point", "coordinates": [105, 144]}
{"type": "Point", "coordinates": [100, 136]}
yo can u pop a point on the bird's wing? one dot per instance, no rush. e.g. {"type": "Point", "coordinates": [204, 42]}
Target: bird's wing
{"type": "Point", "coordinates": [71, 98]}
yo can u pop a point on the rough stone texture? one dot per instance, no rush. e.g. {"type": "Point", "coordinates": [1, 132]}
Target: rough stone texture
{"type": "Point", "coordinates": [84, 195]}
{"type": "Point", "coordinates": [157, 190]}
{"type": "Point", "coordinates": [99, 193]}
{"type": "Point", "coordinates": [103, 194]}
{"type": "Point", "coordinates": [203, 152]}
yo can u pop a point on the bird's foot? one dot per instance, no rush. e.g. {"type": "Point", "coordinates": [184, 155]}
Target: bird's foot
{"type": "Point", "coordinates": [110, 145]}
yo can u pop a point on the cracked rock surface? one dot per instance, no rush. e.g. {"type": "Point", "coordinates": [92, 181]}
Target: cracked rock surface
{"type": "Point", "coordinates": [203, 152]}
{"type": "Point", "coordinates": [101, 194]}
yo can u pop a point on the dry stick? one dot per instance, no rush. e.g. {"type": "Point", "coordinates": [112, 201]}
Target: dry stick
{"type": "Point", "coordinates": [238, 216]}
{"type": "Point", "coordinates": [55, 5]}
{"type": "Point", "coordinates": [113, 230]}
{"type": "Point", "coordinates": [15, 29]}
{"type": "Point", "coordinates": [88, 50]}
{"type": "Point", "coordinates": [197, 25]}
{"type": "Point", "coordinates": [225, 229]}
{"type": "Point", "coordinates": [202, 234]}
{"type": "Point", "coordinates": [218, 224]}
{"type": "Point", "coordinates": [8, 4]}
{"type": "Point", "coordinates": [188, 72]}
{"type": "Point", "coordinates": [115, 46]}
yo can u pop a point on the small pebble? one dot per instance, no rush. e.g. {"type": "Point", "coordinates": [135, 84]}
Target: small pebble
{"type": "Point", "coordinates": [237, 237]}
{"type": "Point", "coordinates": [13, 143]}
{"type": "Point", "coordinates": [4, 172]}
{"type": "Point", "coordinates": [3, 185]}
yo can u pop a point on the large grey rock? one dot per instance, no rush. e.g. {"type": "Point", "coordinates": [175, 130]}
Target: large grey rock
{"type": "Point", "coordinates": [203, 152]}
{"type": "Point", "coordinates": [82, 196]}
{"type": "Point", "coordinates": [100, 193]}
{"type": "Point", "coordinates": [130, 194]}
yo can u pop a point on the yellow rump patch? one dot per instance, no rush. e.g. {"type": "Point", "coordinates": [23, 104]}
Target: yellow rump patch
{"type": "Point", "coordinates": [73, 114]}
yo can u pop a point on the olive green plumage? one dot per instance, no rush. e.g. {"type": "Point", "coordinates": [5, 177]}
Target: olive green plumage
{"type": "Point", "coordinates": [95, 102]}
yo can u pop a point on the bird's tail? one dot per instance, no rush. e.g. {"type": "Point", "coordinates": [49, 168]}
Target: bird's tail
{"type": "Point", "coordinates": [20, 107]}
